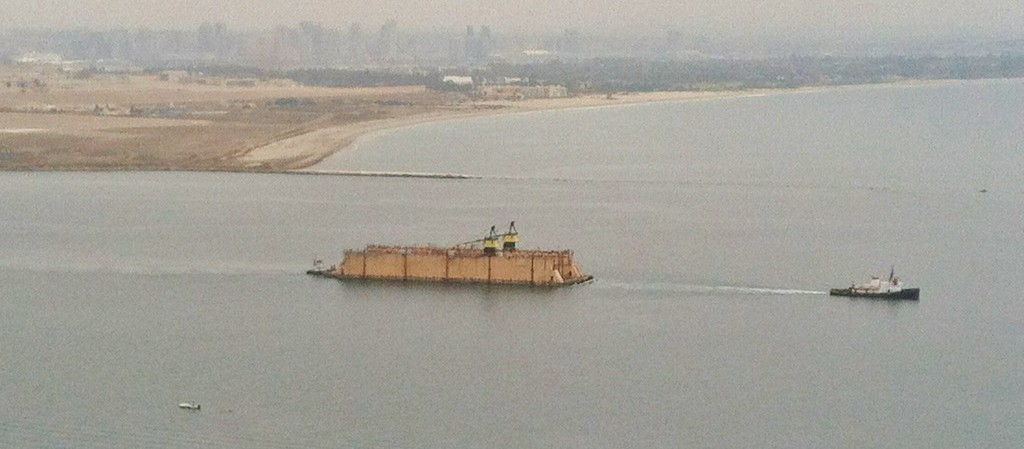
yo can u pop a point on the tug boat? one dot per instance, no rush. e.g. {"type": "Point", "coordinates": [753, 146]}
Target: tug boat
{"type": "Point", "coordinates": [879, 288]}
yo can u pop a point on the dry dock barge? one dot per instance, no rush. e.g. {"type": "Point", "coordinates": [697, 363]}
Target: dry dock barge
{"type": "Point", "coordinates": [498, 261]}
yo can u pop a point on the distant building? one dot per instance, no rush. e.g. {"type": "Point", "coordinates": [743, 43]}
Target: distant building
{"type": "Point", "coordinates": [387, 41]}
{"type": "Point", "coordinates": [458, 80]}
{"type": "Point", "coordinates": [175, 76]}
{"type": "Point", "coordinates": [544, 91]}
{"type": "Point", "coordinates": [570, 44]}
{"type": "Point", "coordinates": [513, 92]}
{"type": "Point", "coordinates": [479, 46]}
{"type": "Point", "coordinates": [40, 58]}
{"type": "Point", "coordinates": [241, 82]}
{"type": "Point", "coordinates": [106, 65]}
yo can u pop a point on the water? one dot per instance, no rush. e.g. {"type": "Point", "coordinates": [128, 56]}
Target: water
{"type": "Point", "coordinates": [713, 229]}
{"type": "Point", "coordinates": [957, 135]}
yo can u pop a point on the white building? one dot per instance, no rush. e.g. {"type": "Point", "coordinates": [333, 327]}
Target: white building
{"type": "Point", "coordinates": [40, 58]}
{"type": "Point", "coordinates": [457, 80]}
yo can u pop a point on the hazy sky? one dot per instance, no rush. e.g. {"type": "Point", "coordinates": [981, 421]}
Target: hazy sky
{"type": "Point", "coordinates": [850, 18]}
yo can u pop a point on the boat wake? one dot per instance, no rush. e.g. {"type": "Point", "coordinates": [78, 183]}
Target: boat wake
{"type": "Point", "coordinates": [674, 287]}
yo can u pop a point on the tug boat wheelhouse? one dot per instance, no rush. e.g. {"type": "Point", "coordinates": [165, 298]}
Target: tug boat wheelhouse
{"type": "Point", "coordinates": [890, 288]}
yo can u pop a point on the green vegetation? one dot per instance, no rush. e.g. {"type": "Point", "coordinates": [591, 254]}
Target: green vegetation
{"type": "Point", "coordinates": [327, 77]}
{"type": "Point", "coordinates": [639, 75]}
{"type": "Point", "coordinates": [648, 75]}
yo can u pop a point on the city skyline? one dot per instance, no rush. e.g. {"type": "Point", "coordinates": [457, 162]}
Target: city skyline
{"type": "Point", "coordinates": [793, 19]}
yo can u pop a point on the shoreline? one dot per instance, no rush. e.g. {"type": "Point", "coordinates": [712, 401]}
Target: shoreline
{"type": "Point", "coordinates": [347, 136]}
{"type": "Point", "coordinates": [299, 148]}
{"type": "Point", "coordinates": [302, 152]}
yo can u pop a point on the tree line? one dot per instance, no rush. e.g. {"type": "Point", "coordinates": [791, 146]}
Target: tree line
{"type": "Point", "coordinates": [640, 75]}
{"type": "Point", "coordinates": [607, 75]}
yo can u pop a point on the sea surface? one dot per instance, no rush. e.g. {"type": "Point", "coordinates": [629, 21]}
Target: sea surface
{"type": "Point", "coordinates": [713, 229]}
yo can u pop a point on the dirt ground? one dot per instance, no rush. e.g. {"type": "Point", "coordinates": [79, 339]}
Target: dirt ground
{"type": "Point", "coordinates": [141, 122]}
{"type": "Point", "coordinates": [52, 120]}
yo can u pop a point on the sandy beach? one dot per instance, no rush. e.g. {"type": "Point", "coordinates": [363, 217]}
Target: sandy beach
{"type": "Point", "coordinates": [143, 123]}
{"type": "Point", "coordinates": [303, 151]}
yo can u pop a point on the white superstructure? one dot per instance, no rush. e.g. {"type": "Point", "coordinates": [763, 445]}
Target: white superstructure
{"type": "Point", "coordinates": [878, 285]}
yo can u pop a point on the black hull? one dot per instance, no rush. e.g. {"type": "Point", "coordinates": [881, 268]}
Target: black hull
{"type": "Point", "coordinates": [907, 293]}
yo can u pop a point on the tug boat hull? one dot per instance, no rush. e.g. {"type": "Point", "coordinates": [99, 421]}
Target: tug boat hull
{"type": "Point", "coordinates": [907, 294]}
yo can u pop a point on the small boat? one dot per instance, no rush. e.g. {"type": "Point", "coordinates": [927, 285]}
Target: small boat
{"type": "Point", "coordinates": [189, 406]}
{"type": "Point", "coordinates": [879, 288]}
{"type": "Point", "coordinates": [319, 269]}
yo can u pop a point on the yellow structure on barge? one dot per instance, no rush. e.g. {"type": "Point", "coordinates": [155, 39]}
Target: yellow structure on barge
{"type": "Point", "coordinates": [497, 262]}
